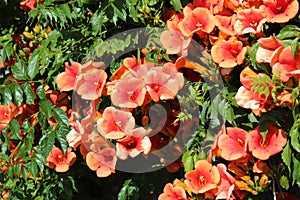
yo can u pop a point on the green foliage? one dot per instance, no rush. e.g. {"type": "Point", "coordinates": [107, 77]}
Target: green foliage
{"type": "Point", "coordinates": [128, 191]}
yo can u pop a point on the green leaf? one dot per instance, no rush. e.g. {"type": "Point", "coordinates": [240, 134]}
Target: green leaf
{"type": "Point", "coordinates": [188, 161]}
{"type": "Point", "coordinates": [24, 173]}
{"type": "Point", "coordinates": [286, 156]}
{"type": "Point", "coordinates": [47, 141]}
{"type": "Point", "coordinates": [33, 169]}
{"type": "Point", "coordinates": [252, 55]}
{"type": "Point", "coordinates": [294, 46]}
{"type": "Point", "coordinates": [121, 14]}
{"type": "Point", "coordinates": [6, 96]}
{"type": "Point", "coordinates": [60, 116]}
{"type": "Point", "coordinates": [296, 171]}
{"type": "Point", "coordinates": [284, 182]}
{"type": "Point", "coordinates": [33, 66]}
{"type": "Point", "coordinates": [29, 94]}
{"type": "Point", "coordinates": [46, 107]}
{"type": "Point", "coordinates": [17, 94]}
{"type": "Point", "coordinates": [19, 70]}
{"type": "Point", "coordinates": [15, 130]}
{"type": "Point", "coordinates": [40, 92]}
{"type": "Point", "coordinates": [176, 4]}
{"type": "Point", "coordinates": [294, 133]}
{"type": "Point", "coordinates": [128, 191]}
{"type": "Point", "coordinates": [61, 134]}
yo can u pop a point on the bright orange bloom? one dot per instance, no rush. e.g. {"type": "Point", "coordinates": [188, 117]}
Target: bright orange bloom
{"type": "Point", "coordinates": [228, 54]}
{"type": "Point", "coordinates": [287, 65]}
{"type": "Point", "coordinates": [226, 24]}
{"type": "Point", "coordinates": [199, 20]}
{"type": "Point", "coordinates": [66, 80]}
{"type": "Point", "coordinates": [7, 113]}
{"type": "Point", "coordinates": [28, 5]}
{"type": "Point", "coordinates": [203, 178]}
{"type": "Point", "coordinates": [233, 145]}
{"type": "Point", "coordinates": [172, 193]}
{"type": "Point", "coordinates": [269, 50]}
{"type": "Point", "coordinates": [280, 11]}
{"type": "Point", "coordinates": [264, 148]}
{"type": "Point", "coordinates": [114, 123]}
{"type": "Point", "coordinates": [215, 6]}
{"type": "Point", "coordinates": [226, 185]}
{"type": "Point", "coordinates": [60, 162]}
{"type": "Point", "coordinates": [250, 21]}
{"type": "Point", "coordinates": [173, 22]}
{"type": "Point", "coordinates": [103, 162]}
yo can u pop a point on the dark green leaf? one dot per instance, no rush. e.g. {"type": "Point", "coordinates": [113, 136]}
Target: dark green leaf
{"type": "Point", "coordinates": [24, 173]}
{"type": "Point", "coordinates": [6, 96]}
{"type": "Point", "coordinates": [17, 94]}
{"type": "Point", "coordinates": [128, 191]}
{"type": "Point", "coordinates": [60, 116]}
{"type": "Point", "coordinates": [252, 55]}
{"type": "Point", "coordinates": [29, 94]}
{"type": "Point", "coordinates": [40, 92]}
{"type": "Point", "coordinates": [46, 107]}
{"type": "Point", "coordinates": [19, 70]}
{"type": "Point", "coordinates": [15, 130]}
{"type": "Point", "coordinates": [33, 169]}
{"type": "Point", "coordinates": [33, 66]}
{"type": "Point", "coordinates": [61, 134]}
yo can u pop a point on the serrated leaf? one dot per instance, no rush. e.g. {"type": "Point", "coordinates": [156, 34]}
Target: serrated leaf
{"type": "Point", "coordinates": [15, 130]}
{"type": "Point", "coordinates": [284, 182]}
{"type": "Point", "coordinates": [32, 168]}
{"type": "Point", "coordinates": [60, 116]}
{"type": "Point", "coordinates": [17, 94]}
{"type": "Point", "coordinates": [61, 134]}
{"type": "Point", "coordinates": [46, 107]}
{"type": "Point", "coordinates": [20, 71]}
{"type": "Point", "coordinates": [6, 96]}
{"type": "Point", "coordinates": [128, 191]}
{"type": "Point", "coordinates": [286, 156]}
{"type": "Point", "coordinates": [121, 14]}
{"type": "Point", "coordinates": [33, 65]}
{"type": "Point", "coordinates": [46, 142]}
{"type": "Point", "coordinates": [294, 133]}
{"type": "Point", "coordinates": [29, 94]}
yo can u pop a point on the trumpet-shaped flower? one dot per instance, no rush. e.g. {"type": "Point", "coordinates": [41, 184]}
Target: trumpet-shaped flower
{"type": "Point", "coordinates": [280, 11]}
{"type": "Point", "coordinates": [66, 80]}
{"type": "Point", "coordinates": [7, 113]}
{"type": "Point", "coordinates": [114, 123]}
{"type": "Point", "coordinates": [269, 50]}
{"type": "Point", "coordinates": [263, 148]}
{"type": "Point", "coordinates": [90, 84]}
{"type": "Point", "coordinates": [199, 20]}
{"type": "Point", "coordinates": [228, 54]}
{"type": "Point", "coordinates": [233, 145]}
{"type": "Point", "coordinates": [137, 142]}
{"type": "Point", "coordinates": [103, 162]}
{"type": "Point", "coordinates": [203, 178]}
{"type": "Point", "coordinates": [226, 24]}
{"type": "Point", "coordinates": [173, 193]}
{"type": "Point", "coordinates": [250, 21]}
{"type": "Point", "coordinates": [226, 185]}
{"type": "Point", "coordinates": [60, 162]}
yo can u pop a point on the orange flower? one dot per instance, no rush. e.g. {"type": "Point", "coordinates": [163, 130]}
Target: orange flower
{"type": "Point", "coordinates": [280, 11]}
{"type": "Point", "coordinates": [250, 21]}
{"type": "Point", "coordinates": [90, 84]}
{"type": "Point", "coordinates": [226, 185]}
{"type": "Point", "coordinates": [287, 65]}
{"type": "Point", "coordinates": [28, 5]}
{"type": "Point", "coordinates": [60, 162]}
{"type": "Point", "coordinates": [103, 162]}
{"type": "Point", "coordinates": [215, 6]}
{"type": "Point", "coordinates": [264, 148]}
{"type": "Point", "coordinates": [269, 50]}
{"type": "Point", "coordinates": [233, 145]}
{"type": "Point", "coordinates": [203, 178]}
{"type": "Point", "coordinates": [7, 113]}
{"type": "Point", "coordinates": [66, 80]}
{"type": "Point", "coordinates": [172, 193]}
{"type": "Point", "coordinates": [226, 24]}
{"type": "Point", "coordinates": [199, 20]}
{"type": "Point", "coordinates": [172, 23]}
{"type": "Point", "coordinates": [228, 54]}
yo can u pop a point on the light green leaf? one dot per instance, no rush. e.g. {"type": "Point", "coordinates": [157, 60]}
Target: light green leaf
{"type": "Point", "coordinates": [286, 156]}
{"type": "Point", "coordinates": [284, 182]}
{"type": "Point", "coordinates": [176, 4]}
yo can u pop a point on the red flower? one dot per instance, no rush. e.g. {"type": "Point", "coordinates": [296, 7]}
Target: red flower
{"type": "Point", "coordinates": [172, 193]}
{"type": "Point", "coordinates": [90, 84]}
{"type": "Point", "coordinates": [226, 185]}
{"type": "Point", "coordinates": [28, 5]}
{"type": "Point", "coordinates": [137, 142]}
{"type": "Point", "coordinates": [114, 123]}
{"type": "Point", "coordinates": [7, 113]}
{"type": "Point", "coordinates": [199, 20]}
{"type": "Point", "coordinates": [66, 80]}
{"type": "Point", "coordinates": [233, 145]}
{"type": "Point", "coordinates": [226, 24]}
{"type": "Point", "coordinates": [280, 11]}
{"type": "Point", "coordinates": [103, 162]}
{"type": "Point", "coordinates": [250, 21]}
{"type": "Point", "coordinates": [215, 6]}
{"type": "Point", "coordinates": [229, 53]}
{"type": "Point", "coordinates": [269, 50]}
{"type": "Point", "coordinates": [203, 178]}
{"type": "Point", "coordinates": [60, 162]}
{"type": "Point", "coordinates": [264, 148]}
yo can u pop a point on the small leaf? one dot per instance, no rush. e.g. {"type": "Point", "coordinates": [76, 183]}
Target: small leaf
{"type": "Point", "coordinates": [29, 94]}
{"type": "Point", "coordinates": [296, 171]}
{"type": "Point", "coordinates": [294, 46]}
{"type": "Point", "coordinates": [188, 161]}
{"type": "Point", "coordinates": [17, 94]}
{"type": "Point", "coordinates": [286, 156]}
{"type": "Point", "coordinates": [40, 92]}
{"type": "Point", "coordinates": [15, 130]}
{"type": "Point", "coordinates": [6, 96]}
{"type": "Point", "coordinates": [46, 107]}
{"type": "Point", "coordinates": [284, 182]}
{"type": "Point", "coordinates": [33, 169]}
{"type": "Point", "coordinates": [33, 66]}
{"type": "Point", "coordinates": [176, 4]}
{"type": "Point", "coordinates": [19, 70]}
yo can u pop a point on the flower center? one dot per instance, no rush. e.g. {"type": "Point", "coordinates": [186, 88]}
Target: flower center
{"type": "Point", "coordinates": [253, 24]}
{"type": "Point", "coordinates": [202, 180]}
{"type": "Point", "coordinates": [60, 158]}
{"type": "Point", "coordinates": [199, 25]}
{"type": "Point", "coordinates": [264, 142]}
